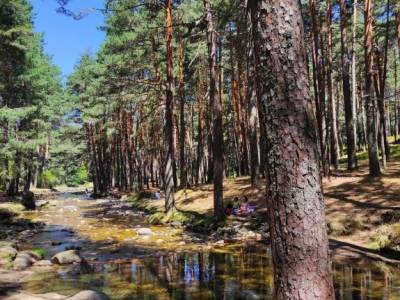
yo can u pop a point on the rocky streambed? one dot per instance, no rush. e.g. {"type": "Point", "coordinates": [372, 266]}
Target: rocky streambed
{"type": "Point", "coordinates": [78, 248]}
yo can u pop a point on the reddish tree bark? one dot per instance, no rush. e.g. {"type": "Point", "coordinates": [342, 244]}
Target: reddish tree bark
{"type": "Point", "coordinates": [170, 166]}
{"type": "Point", "coordinates": [296, 214]}
{"type": "Point", "coordinates": [370, 102]}
{"type": "Point", "coordinates": [215, 104]}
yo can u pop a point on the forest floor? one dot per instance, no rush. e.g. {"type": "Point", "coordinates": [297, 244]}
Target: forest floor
{"type": "Point", "coordinates": [362, 213]}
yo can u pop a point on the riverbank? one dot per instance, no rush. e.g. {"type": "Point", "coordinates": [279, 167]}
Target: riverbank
{"type": "Point", "coordinates": [125, 255]}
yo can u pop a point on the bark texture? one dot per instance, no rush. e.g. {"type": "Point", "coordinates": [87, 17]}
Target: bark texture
{"type": "Point", "coordinates": [215, 104]}
{"type": "Point", "coordinates": [170, 166]}
{"type": "Point", "coordinates": [370, 102]}
{"type": "Point", "coordinates": [295, 202]}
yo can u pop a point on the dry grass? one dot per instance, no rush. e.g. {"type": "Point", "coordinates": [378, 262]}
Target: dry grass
{"type": "Point", "coordinates": [356, 204]}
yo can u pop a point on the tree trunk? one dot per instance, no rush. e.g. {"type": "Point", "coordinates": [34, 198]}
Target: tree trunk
{"type": "Point", "coordinates": [370, 102]}
{"type": "Point", "coordinates": [217, 132]}
{"type": "Point", "coordinates": [252, 106]}
{"type": "Point", "coordinates": [182, 133]}
{"type": "Point", "coordinates": [354, 69]}
{"type": "Point", "coordinates": [381, 100]}
{"type": "Point", "coordinates": [331, 100]}
{"type": "Point", "coordinates": [296, 214]}
{"type": "Point", "coordinates": [319, 85]}
{"type": "Point", "coordinates": [170, 167]}
{"type": "Point", "coordinates": [348, 101]}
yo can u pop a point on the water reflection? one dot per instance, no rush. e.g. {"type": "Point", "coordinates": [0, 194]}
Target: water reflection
{"type": "Point", "coordinates": [210, 275]}
{"type": "Point", "coordinates": [366, 281]}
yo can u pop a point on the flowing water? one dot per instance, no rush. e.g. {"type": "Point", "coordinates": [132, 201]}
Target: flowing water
{"type": "Point", "coordinates": [170, 264]}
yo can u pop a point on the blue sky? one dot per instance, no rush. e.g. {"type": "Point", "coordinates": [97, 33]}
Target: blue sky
{"type": "Point", "coordinates": [66, 39]}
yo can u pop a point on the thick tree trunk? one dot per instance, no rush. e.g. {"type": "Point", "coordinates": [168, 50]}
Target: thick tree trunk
{"type": "Point", "coordinates": [350, 114]}
{"type": "Point", "coordinates": [370, 102]}
{"type": "Point", "coordinates": [217, 132]}
{"type": "Point", "coordinates": [170, 167]}
{"type": "Point", "coordinates": [295, 201]}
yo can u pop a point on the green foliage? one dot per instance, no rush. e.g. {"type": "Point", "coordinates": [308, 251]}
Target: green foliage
{"type": "Point", "coordinates": [387, 237]}
{"type": "Point", "coordinates": [49, 179]}
{"type": "Point", "coordinates": [40, 252]}
{"type": "Point", "coordinates": [81, 176]}
{"type": "Point", "coordinates": [30, 94]}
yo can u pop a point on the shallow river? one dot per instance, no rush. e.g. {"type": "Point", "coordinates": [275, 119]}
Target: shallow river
{"type": "Point", "coordinates": [170, 264]}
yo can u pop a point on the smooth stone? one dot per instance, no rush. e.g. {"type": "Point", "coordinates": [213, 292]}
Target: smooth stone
{"type": "Point", "coordinates": [144, 231]}
{"type": "Point", "coordinates": [67, 257]}
{"type": "Point", "coordinates": [43, 263]}
{"type": "Point", "coordinates": [24, 260]}
{"type": "Point", "coordinates": [89, 295]}
{"type": "Point", "coordinates": [8, 252]}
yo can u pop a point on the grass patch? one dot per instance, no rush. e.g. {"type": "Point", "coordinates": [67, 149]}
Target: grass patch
{"type": "Point", "coordinates": [362, 157]}
{"type": "Point", "coordinates": [387, 237]}
{"type": "Point", "coordinates": [142, 204]}
{"type": "Point", "coordinates": [346, 226]}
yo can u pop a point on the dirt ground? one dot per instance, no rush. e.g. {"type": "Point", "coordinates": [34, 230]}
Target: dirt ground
{"type": "Point", "coordinates": [353, 199]}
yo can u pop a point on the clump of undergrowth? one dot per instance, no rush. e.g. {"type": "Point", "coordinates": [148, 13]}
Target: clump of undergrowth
{"type": "Point", "coordinates": [345, 226]}
{"type": "Point", "coordinates": [40, 252]}
{"type": "Point", "coordinates": [387, 237]}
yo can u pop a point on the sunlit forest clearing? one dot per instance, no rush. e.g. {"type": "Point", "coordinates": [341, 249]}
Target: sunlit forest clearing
{"type": "Point", "coordinates": [211, 149]}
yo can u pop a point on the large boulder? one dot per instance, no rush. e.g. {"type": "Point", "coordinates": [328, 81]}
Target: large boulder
{"type": "Point", "coordinates": [24, 260]}
{"type": "Point", "coordinates": [7, 254]}
{"type": "Point", "coordinates": [83, 295]}
{"type": "Point", "coordinates": [67, 258]}
{"type": "Point", "coordinates": [28, 200]}
{"type": "Point", "coordinates": [89, 295]}
{"type": "Point", "coordinates": [26, 296]}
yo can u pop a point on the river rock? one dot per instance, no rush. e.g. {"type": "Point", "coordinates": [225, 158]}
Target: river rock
{"type": "Point", "coordinates": [8, 252]}
{"type": "Point", "coordinates": [26, 296]}
{"type": "Point", "coordinates": [176, 224]}
{"type": "Point", "coordinates": [145, 231]}
{"type": "Point", "coordinates": [89, 295]}
{"type": "Point", "coordinates": [24, 260]}
{"type": "Point", "coordinates": [83, 295]}
{"type": "Point", "coordinates": [67, 257]}
{"type": "Point", "coordinates": [28, 200]}
{"type": "Point", "coordinates": [8, 244]}
{"type": "Point", "coordinates": [43, 263]}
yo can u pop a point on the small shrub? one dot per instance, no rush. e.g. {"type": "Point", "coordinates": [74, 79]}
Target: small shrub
{"type": "Point", "coordinates": [49, 179]}
{"type": "Point", "coordinates": [40, 252]}
{"type": "Point", "coordinates": [81, 176]}
{"type": "Point", "coordinates": [387, 237]}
